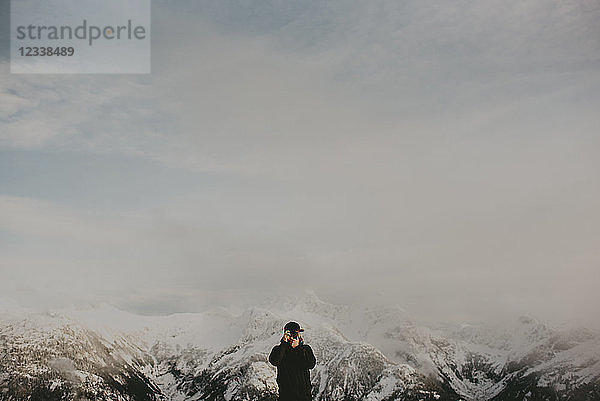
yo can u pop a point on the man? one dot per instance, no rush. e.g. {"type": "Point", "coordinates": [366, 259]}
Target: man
{"type": "Point", "coordinates": [293, 358]}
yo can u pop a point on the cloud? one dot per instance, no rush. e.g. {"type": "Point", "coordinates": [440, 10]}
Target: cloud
{"type": "Point", "coordinates": [440, 156]}
{"type": "Point", "coordinates": [64, 253]}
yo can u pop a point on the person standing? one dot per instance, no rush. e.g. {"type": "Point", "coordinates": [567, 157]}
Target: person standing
{"type": "Point", "coordinates": [293, 359]}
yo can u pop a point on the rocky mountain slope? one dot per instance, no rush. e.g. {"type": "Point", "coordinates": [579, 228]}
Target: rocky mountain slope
{"type": "Point", "coordinates": [100, 353]}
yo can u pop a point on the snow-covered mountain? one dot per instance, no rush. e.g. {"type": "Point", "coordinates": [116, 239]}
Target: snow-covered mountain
{"type": "Point", "coordinates": [374, 353]}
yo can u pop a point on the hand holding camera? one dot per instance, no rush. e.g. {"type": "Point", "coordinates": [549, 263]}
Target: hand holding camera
{"type": "Point", "coordinates": [292, 338]}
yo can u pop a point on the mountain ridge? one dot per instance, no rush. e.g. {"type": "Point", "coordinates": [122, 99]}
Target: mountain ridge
{"type": "Point", "coordinates": [370, 354]}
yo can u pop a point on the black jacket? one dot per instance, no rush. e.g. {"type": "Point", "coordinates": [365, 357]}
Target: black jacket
{"type": "Point", "coordinates": [292, 370]}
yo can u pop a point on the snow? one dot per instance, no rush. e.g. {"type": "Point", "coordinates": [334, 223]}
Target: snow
{"type": "Point", "coordinates": [385, 342]}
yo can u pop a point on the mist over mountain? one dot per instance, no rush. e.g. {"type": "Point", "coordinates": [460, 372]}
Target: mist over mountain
{"type": "Point", "coordinates": [370, 353]}
{"type": "Point", "coordinates": [430, 168]}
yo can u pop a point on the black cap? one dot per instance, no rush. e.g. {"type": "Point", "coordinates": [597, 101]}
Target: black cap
{"type": "Point", "coordinates": [292, 326]}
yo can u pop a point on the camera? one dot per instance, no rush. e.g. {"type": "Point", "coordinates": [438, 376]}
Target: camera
{"type": "Point", "coordinates": [294, 334]}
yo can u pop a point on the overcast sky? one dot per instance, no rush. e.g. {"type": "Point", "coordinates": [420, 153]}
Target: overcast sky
{"type": "Point", "coordinates": [443, 156]}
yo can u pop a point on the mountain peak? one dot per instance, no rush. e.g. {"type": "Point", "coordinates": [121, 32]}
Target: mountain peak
{"type": "Point", "coordinates": [526, 320]}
